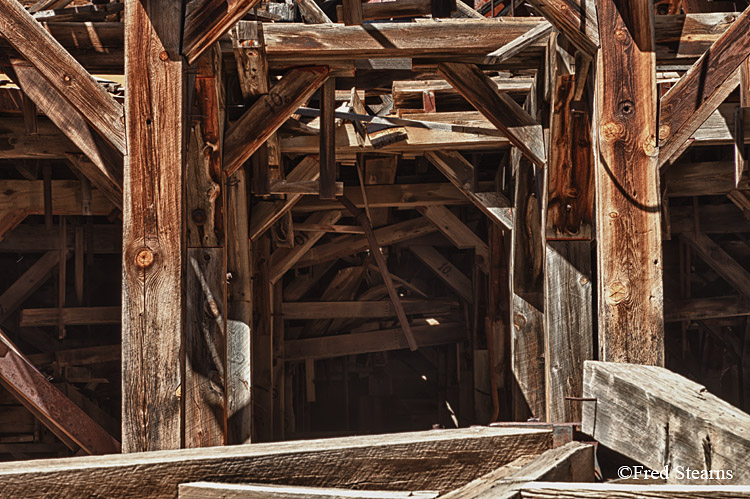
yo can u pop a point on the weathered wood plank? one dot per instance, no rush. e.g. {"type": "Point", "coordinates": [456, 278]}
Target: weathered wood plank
{"type": "Point", "coordinates": [726, 266]}
{"type": "Point", "coordinates": [659, 418]}
{"type": "Point", "coordinates": [522, 130]}
{"type": "Point", "coordinates": [336, 462]}
{"type": "Point", "coordinates": [390, 196]}
{"type": "Point", "coordinates": [262, 343]}
{"type": "Point", "coordinates": [458, 233]}
{"type": "Point", "coordinates": [577, 20]}
{"type": "Point", "coordinates": [206, 21]}
{"type": "Point", "coordinates": [362, 309]}
{"type": "Point", "coordinates": [573, 461]}
{"type": "Point", "coordinates": [63, 72]}
{"type": "Point", "coordinates": [445, 270]}
{"type": "Point", "coordinates": [700, 91]}
{"type": "Point", "coordinates": [31, 317]}
{"type": "Point", "coordinates": [24, 286]}
{"type": "Point", "coordinates": [207, 490]}
{"type": "Point", "coordinates": [69, 423]}
{"type": "Point", "coordinates": [153, 265]}
{"type": "Point", "coordinates": [629, 266]}
{"type": "Point", "coordinates": [706, 308]}
{"type": "Point", "coordinates": [259, 122]}
{"type": "Point", "coordinates": [376, 341]}
{"type": "Point", "coordinates": [538, 490]}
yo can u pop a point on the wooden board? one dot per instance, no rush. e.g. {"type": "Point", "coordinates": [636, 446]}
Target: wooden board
{"type": "Point", "coordinates": [206, 490]}
{"type": "Point", "coordinates": [445, 270]}
{"type": "Point", "coordinates": [660, 418]}
{"type": "Point", "coordinates": [629, 266]}
{"type": "Point", "coordinates": [540, 490]}
{"type": "Point", "coordinates": [363, 309]}
{"type": "Point", "coordinates": [455, 458]}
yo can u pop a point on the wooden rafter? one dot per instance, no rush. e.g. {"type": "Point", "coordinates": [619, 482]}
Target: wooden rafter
{"type": "Point", "coordinates": [206, 21]}
{"type": "Point", "coordinates": [576, 19]}
{"type": "Point", "coordinates": [63, 72]}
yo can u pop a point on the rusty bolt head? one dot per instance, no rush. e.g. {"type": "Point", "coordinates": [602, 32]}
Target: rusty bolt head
{"type": "Point", "coordinates": [144, 258]}
{"type": "Point", "coordinates": [199, 217]}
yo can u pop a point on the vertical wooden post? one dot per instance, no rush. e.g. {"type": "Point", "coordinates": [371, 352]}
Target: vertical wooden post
{"type": "Point", "coordinates": [204, 383]}
{"type": "Point", "coordinates": [239, 310]}
{"type": "Point", "coordinates": [328, 140]}
{"type": "Point", "coordinates": [629, 260]}
{"type": "Point", "coordinates": [278, 364]}
{"type": "Point", "coordinates": [741, 150]}
{"type": "Point", "coordinates": [153, 301]}
{"type": "Point", "coordinates": [262, 343]}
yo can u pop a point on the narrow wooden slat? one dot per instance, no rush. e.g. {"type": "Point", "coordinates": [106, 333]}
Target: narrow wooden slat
{"type": "Point", "coordinates": [328, 140]}
{"type": "Point", "coordinates": [63, 72]}
{"type": "Point", "coordinates": [31, 317]}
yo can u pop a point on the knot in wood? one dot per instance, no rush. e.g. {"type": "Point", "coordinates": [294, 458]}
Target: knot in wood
{"type": "Point", "coordinates": [618, 292]}
{"type": "Point", "coordinates": [665, 131]}
{"type": "Point", "coordinates": [621, 34]}
{"type": "Point", "coordinates": [613, 131]}
{"type": "Point", "coordinates": [144, 258]}
{"type": "Point", "coordinates": [199, 217]}
{"type": "Point", "coordinates": [164, 55]}
{"type": "Point", "coordinates": [650, 148]}
{"type": "Point", "coordinates": [66, 78]}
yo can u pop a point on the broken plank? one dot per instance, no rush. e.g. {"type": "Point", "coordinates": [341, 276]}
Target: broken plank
{"type": "Point", "coordinates": [659, 418]}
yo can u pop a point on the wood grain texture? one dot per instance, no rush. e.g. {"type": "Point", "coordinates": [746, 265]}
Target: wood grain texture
{"type": "Point", "coordinates": [65, 419]}
{"type": "Point", "coordinates": [700, 91]}
{"type": "Point", "coordinates": [629, 267]}
{"type": "Point", "coordinates": [659, 418]}
{"type": "Point", "coordinates": [569, 324]}
{"type": "Point", "coordinates": [521, 129]}
{"type": "Point", "coordinates": [153, 298]}
{"type": "Point", "coordinates": [63, 72]}
{"type": "Point", "coordinates": [438, 460]}
{"type": "Point", "coordinates": [577, 20]}
{"type": "Point", "coordinates": [539, 490]}
{"type": "Point", "coordinates": [31, 317]}
{"type": "Point", "coordinates": [206, 21]}
{"type": "Point", "coordinates": [340, 345]}
{"type": "Point", "coordinates": [259, 122]}
{"type": "Point", "coordinates": [328, 140]}
{"type": "Point", "coordinates": [573, 461]}
{"type": "Point", "coordinates": [706, 308]}
{"type": "Point", "coordinates": [28, 196]}
{"type": "Point", "coordinates": [206, 490]}
{"type": "Point", "coordinates": [262, 343]}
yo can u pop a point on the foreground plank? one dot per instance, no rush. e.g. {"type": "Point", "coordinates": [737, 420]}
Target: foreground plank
{"type": "Point", "coordinates": [563, 490]}
{"type": "Point", "coordinates": [574, 461]}
{"type": "Point", "coordinates": [437, 460]}
{"type": "Point", "coordinates": [205, 490]}
{"type": "Point", "coordinates": [659, 418]}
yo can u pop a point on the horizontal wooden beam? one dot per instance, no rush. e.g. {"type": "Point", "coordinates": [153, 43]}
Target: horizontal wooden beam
{"type": "Point", "coordinates": [708, 178]}
{"type": "Point", "coordinates": [713, 219]}
{"type": "Point", "coordinates": [84, 316]}
{"type": "Point", "coordinates": [376, 341]}
{"type": "Point", "coordinates": [35, 238]}
{"type": "Point", "coordinates": [302, 187]}
{"type": "Point", "coordinates": [706, 308]}
{"type": "Point", "coordinates": [28, 195]}
{"type": "Point", "coordinates": [363, 309]}
{"type": "Point", "coordinates": [655, 416]}
{"type": "Point", "coordinates": [65, 419]}
{"type": "Point", "coordinates": [408, 94]}
{"type": "Point", "coordinates": [464, 454]}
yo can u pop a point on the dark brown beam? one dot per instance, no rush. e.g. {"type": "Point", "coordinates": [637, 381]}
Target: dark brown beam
{"type": "Point", "coordinates": [328, 139]}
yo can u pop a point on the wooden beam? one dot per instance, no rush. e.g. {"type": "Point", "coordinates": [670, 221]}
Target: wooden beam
{"type": "Point", "coordinates": [573, 461]}
{"type": "Point", "coordinates": [458, 233]}
{"type": "Point", "coordinates": [311, 13]}
{"type": "Point", "coordinates": [629, 267]}
{"type": "Point", "coordinates": [207, 490]}
{"type": "Point", "coordinates": [522, 130]}
{"type": "Point", "coordinates": [719, 260]}
{"type": "Point", "coordinates": [700, 91]}
{"type": "Point", "coordinates": [24, 286]}
{"type": "Point", "coordinates": [303, 187]}
{"type": "Point", "coordinates": [340, 345]}
{"type": "Point", "coordinates": [239, 310]}
{"type": "Point", "coordinates": [259, 122]}
{"type": "Point", "coordinates": [28, 196]}
{"type": "Point", "coordinates": [362, 309]}
{"type": "Point", "coordinates": [350, 245]}
{"type": "Point", "coordinates": [408, 94]}
{"type": "Point", "coordinates": [153, 243]}
{"type": "Point", "coordinates": [659, 418]}
{"type": "Point", "coordinates": [63, 72]}
{"type": "Point", "coordinates": [577, 20]}
{"type": "Point", "coordinates": [543, 490]}
{"type": "Point", "coordinates": [713, 219]}
{"type": "Point", "coordinates": [206, 21]}
{"type": "Point", "coordinates": [328, 139]}
{"type": "Point", "coordinates": [360, 458]}
{"type": "Point", "coordinates": [31, 317]}
{"type": "Point", "coordinates": [267, 213]}
{"type": "Point", "coordinates": [104, 165]}
{"type": "Point", "coordinates": [706, 308]}
{"type": "Point", "coordinates": [502, 54]}
{"type": "Point", "coordinates": [445, 270]}
{"type": "Point", "coordinates": [262, 343]}
{"type": "Point", "coordinates": [63, 418]}
{"type": "Point", "coordinates": [372, 240]}
{"type": "Point", "coordinates": [460, 172]}
{"type": "Point", "coordinates": [284, 259]}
